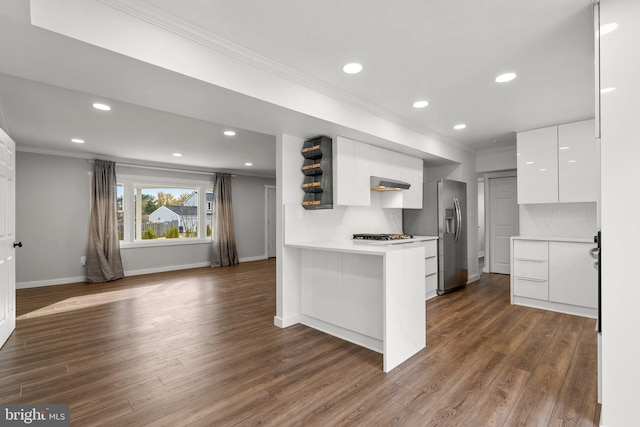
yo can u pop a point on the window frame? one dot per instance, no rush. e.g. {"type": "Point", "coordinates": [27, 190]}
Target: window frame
{"type": "Point", "coordinates": [131, 182]}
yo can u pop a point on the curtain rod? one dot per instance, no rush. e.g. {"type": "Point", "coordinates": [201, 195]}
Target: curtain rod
{"type": "Point", "coordinates": [163, 169]}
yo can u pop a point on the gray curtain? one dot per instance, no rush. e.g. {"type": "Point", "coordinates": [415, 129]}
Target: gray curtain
{"type": "Point", "coordinates": [103, 257]}
{"type": "Point", "coordinates": [223, 239]}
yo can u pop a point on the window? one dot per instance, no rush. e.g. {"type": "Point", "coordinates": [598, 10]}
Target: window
{"type": "Point", "coordinates": [165, 212]}
{"type": "Point", "coordinates": [120, 204]}
{"type": "Point", "coordinates": [162, 211]}
{"type": "Point", "coordinates": [209, 212]}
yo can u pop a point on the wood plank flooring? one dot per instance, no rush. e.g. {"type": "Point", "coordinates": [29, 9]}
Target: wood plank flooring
{"type": "Point", "coordinates": [199, 348]}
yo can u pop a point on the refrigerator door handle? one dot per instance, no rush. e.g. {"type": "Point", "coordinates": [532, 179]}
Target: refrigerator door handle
{"type": "Point", "coordinates": [458, 218]}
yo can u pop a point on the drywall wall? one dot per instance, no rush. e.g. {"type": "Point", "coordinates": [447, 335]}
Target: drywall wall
{"type": "Point", "coordinates": [52, 221]}
{"type": "Point", "coordinates": [496, 159]}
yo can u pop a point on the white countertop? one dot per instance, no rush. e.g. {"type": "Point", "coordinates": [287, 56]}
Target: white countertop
{"type": "Point", "coordinates": [556, 239]}
{"type": "Point", "coordinates": [363, 247]}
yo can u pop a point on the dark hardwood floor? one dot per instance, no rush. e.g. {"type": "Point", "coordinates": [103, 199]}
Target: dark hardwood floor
{"type": "Point", "coordinates": [198, 347]}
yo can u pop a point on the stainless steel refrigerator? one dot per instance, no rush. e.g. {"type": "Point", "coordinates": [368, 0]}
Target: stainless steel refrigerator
{"type": "Point", "coordinates": [443, 214]}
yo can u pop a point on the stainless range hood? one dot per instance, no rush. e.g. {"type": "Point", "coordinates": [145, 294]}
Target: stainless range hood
{"type": "Point", "coordinates": [386, 184]}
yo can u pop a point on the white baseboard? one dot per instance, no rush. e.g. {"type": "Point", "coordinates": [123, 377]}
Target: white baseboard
{"type": "Point", "coordinates": [52, 282]}
{"type": "Point", "coordinates": [430, 294]}
{"type": "Point", "coordinates": [473, 278]}
{"type": "Point", "coordinates": [285, 322]}
{"type": "Point", "coordinates": [253, 258]}
{"type": "Point", "coordinates": [165, 269]}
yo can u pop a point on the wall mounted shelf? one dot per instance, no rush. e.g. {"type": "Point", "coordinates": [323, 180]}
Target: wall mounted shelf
{"type": "Point", "coordinates": [317, 171]}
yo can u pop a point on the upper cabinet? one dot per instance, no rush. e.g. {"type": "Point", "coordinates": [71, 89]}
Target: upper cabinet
{"type": "Point", "coordinates": [357, 162]}
{"type": "Point", "coordinates": [352, 172]}
{"type": "Point", "coordinates": [558, 164]}
{"type": "Point", "coordinates": [538, 166]}
{"type": "Point", "coordinates": [578, 169]}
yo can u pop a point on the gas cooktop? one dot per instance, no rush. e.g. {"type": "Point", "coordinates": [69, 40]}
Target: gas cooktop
{"type": "Point", "coordinates": [381, 236]}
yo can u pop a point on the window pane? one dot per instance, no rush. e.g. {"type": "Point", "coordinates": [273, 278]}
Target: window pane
{"type": "Point", "coordinates": [120, 205]}
{"type": "Point", "coordinates": [166, 212]}
{"type": "Point", "coordinates": [209, 206]}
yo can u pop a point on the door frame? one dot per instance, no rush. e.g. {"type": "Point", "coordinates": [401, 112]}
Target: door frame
{"type": "Point", "coordinates": [488, 218]}
{"type": "Point", "coordinates": [268, 188]}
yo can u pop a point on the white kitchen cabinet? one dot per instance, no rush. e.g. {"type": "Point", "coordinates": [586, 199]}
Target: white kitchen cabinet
{"type": "Point", "coordinates": [357, 162]}
{"type": "Point", "coordinates": [530, 269]}
{"type": "Point", "coordinates": [555, 275]}
{"type": "Point", "coordinates": [571, 271]}
{"type": "Point", "coordinates": [558, 164]}
{"type": "Point", "coordinates": [430, 269]}
{"type": "Point", "coordinates": [321, 291]}
{"type": "Point", "coordinates": [537, 161]}
{"type": "Point", "coordinates": [362, 294]}
{"type": "Point", "coordinates": [351, 172]}
{"type": "Point", "coordinates": [578, 174]}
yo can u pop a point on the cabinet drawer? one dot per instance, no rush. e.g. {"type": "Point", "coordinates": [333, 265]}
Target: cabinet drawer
{"type": "Point", "coordinates": [430, 249]}
{"type": "Point", "coordinates": [532, 269]}
{"type": "Point", "coordinates": [537, 289]}
{"type": "Point", "coordinates": [430, 265]}
{"type": "Point", "coordinates": [531, 249]}
{"type": "Point", "coordinates": [430, 283]}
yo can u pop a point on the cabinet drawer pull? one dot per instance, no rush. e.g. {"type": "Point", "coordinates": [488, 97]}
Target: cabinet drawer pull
{"type": "Point", "coordinates": [530, 279]}
{"type": "Point", "coordinates": [531, 260]}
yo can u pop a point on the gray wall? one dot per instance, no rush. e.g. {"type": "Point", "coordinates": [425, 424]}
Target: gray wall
{"type": "Point", "coordinates": [52, 221]}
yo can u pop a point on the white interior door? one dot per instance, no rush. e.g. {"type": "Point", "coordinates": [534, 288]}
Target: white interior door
{"type": "Point", "coordinates": [504, 221]}
{"type": "Point", "coordinates": [7, 236]}
{"type": "Point", "coordinates": [271, 222]}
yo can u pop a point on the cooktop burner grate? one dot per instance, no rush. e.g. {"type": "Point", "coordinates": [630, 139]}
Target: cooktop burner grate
{"type": "Point", "coordinates": [381, 236]}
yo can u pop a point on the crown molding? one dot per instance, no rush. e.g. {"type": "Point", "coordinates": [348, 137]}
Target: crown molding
{"type": "Point", "coordinates": [147, 12]}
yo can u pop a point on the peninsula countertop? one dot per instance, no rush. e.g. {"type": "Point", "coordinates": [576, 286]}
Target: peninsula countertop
{"type": "Point", "coordinates": [369, 247]}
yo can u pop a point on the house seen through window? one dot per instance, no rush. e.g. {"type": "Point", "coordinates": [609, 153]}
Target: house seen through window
{"type": "Point", "coordinates": [163, 211]}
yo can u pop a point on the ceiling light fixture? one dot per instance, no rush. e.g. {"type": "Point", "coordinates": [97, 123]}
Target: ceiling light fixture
{"type": "Point", "coordinates": [177, 154]}
{"type": "Point", "coordinates": [461, 126]}
{"type": "Point", "coordinates": [607, 90]}
{"type": "Point", "coordinates": [102, 107]}
{"type": "Point", "coordinates": [529, 163]}
{"type": "Point", "coordinates": [248, 164]}
{"type": "Point", "coordinates": [566, 147]}
{"type": "Point", "coordinates": [420, 104]}
{"type": "Point", "coordinates": [77, 140]}
{"type": "Point", "coordinates": [506, 77]}
{"type": "Point", "coordinates": [352, 68]}
{"type": "Point", "coordinates": [229, 133]}
{"type": "Point", "coordinates": [607, 28]}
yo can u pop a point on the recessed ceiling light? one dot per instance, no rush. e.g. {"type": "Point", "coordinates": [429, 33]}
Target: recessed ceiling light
{"type": "Point", "coordinates": [103, 107]}
{"type": "Point", "coordinates": [607, 90]}
{"type": "Point", "coordinates": [177, 154]}
{"type": "Point", "coordinates": [352, 68]}
{"type": "Point", "coordinates": [506, 77]}
{"type": "Point", "coordinates": [229, 133]}
{"type": "Point", "coordinates": [529, 163]}
{"type": "Point", "coordinates": [566, 147]}
{"type": "Point", "coordinates": [461, 126]}
{"type": "Point", "coordinates": [420, 104]}
{"type": "Point", "coordinates": [542, 170]}
{"type": "Point", "coordinates": [78, 140]}
{"type": "Point", "coordinates": [607, 28]}
{"type": "Point", "coordinates": [572, 161]}
{"type": "Point", "coordinates": [248, 164]}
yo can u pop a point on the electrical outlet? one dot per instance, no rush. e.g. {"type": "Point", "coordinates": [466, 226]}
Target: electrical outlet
{"type": "Point", "coordinates": [83, 260]}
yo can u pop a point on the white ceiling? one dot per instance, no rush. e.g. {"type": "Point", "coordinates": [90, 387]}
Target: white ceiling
{"type": "Point", "coordinates": [447, 52]}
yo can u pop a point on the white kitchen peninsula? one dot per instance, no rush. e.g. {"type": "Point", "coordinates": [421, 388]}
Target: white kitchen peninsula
{"type": "Point", "coordinates": [370, 295]}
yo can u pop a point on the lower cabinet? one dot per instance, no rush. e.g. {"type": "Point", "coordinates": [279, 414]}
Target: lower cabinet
{"type": "Point", "coordinates": [554, 275]}
{"type": "Point", "coordinates": [430, 269]}
{"type": "Point", "coordinates": [344, 290]}
{"type": "Point", "coordinates": [575, 280]}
